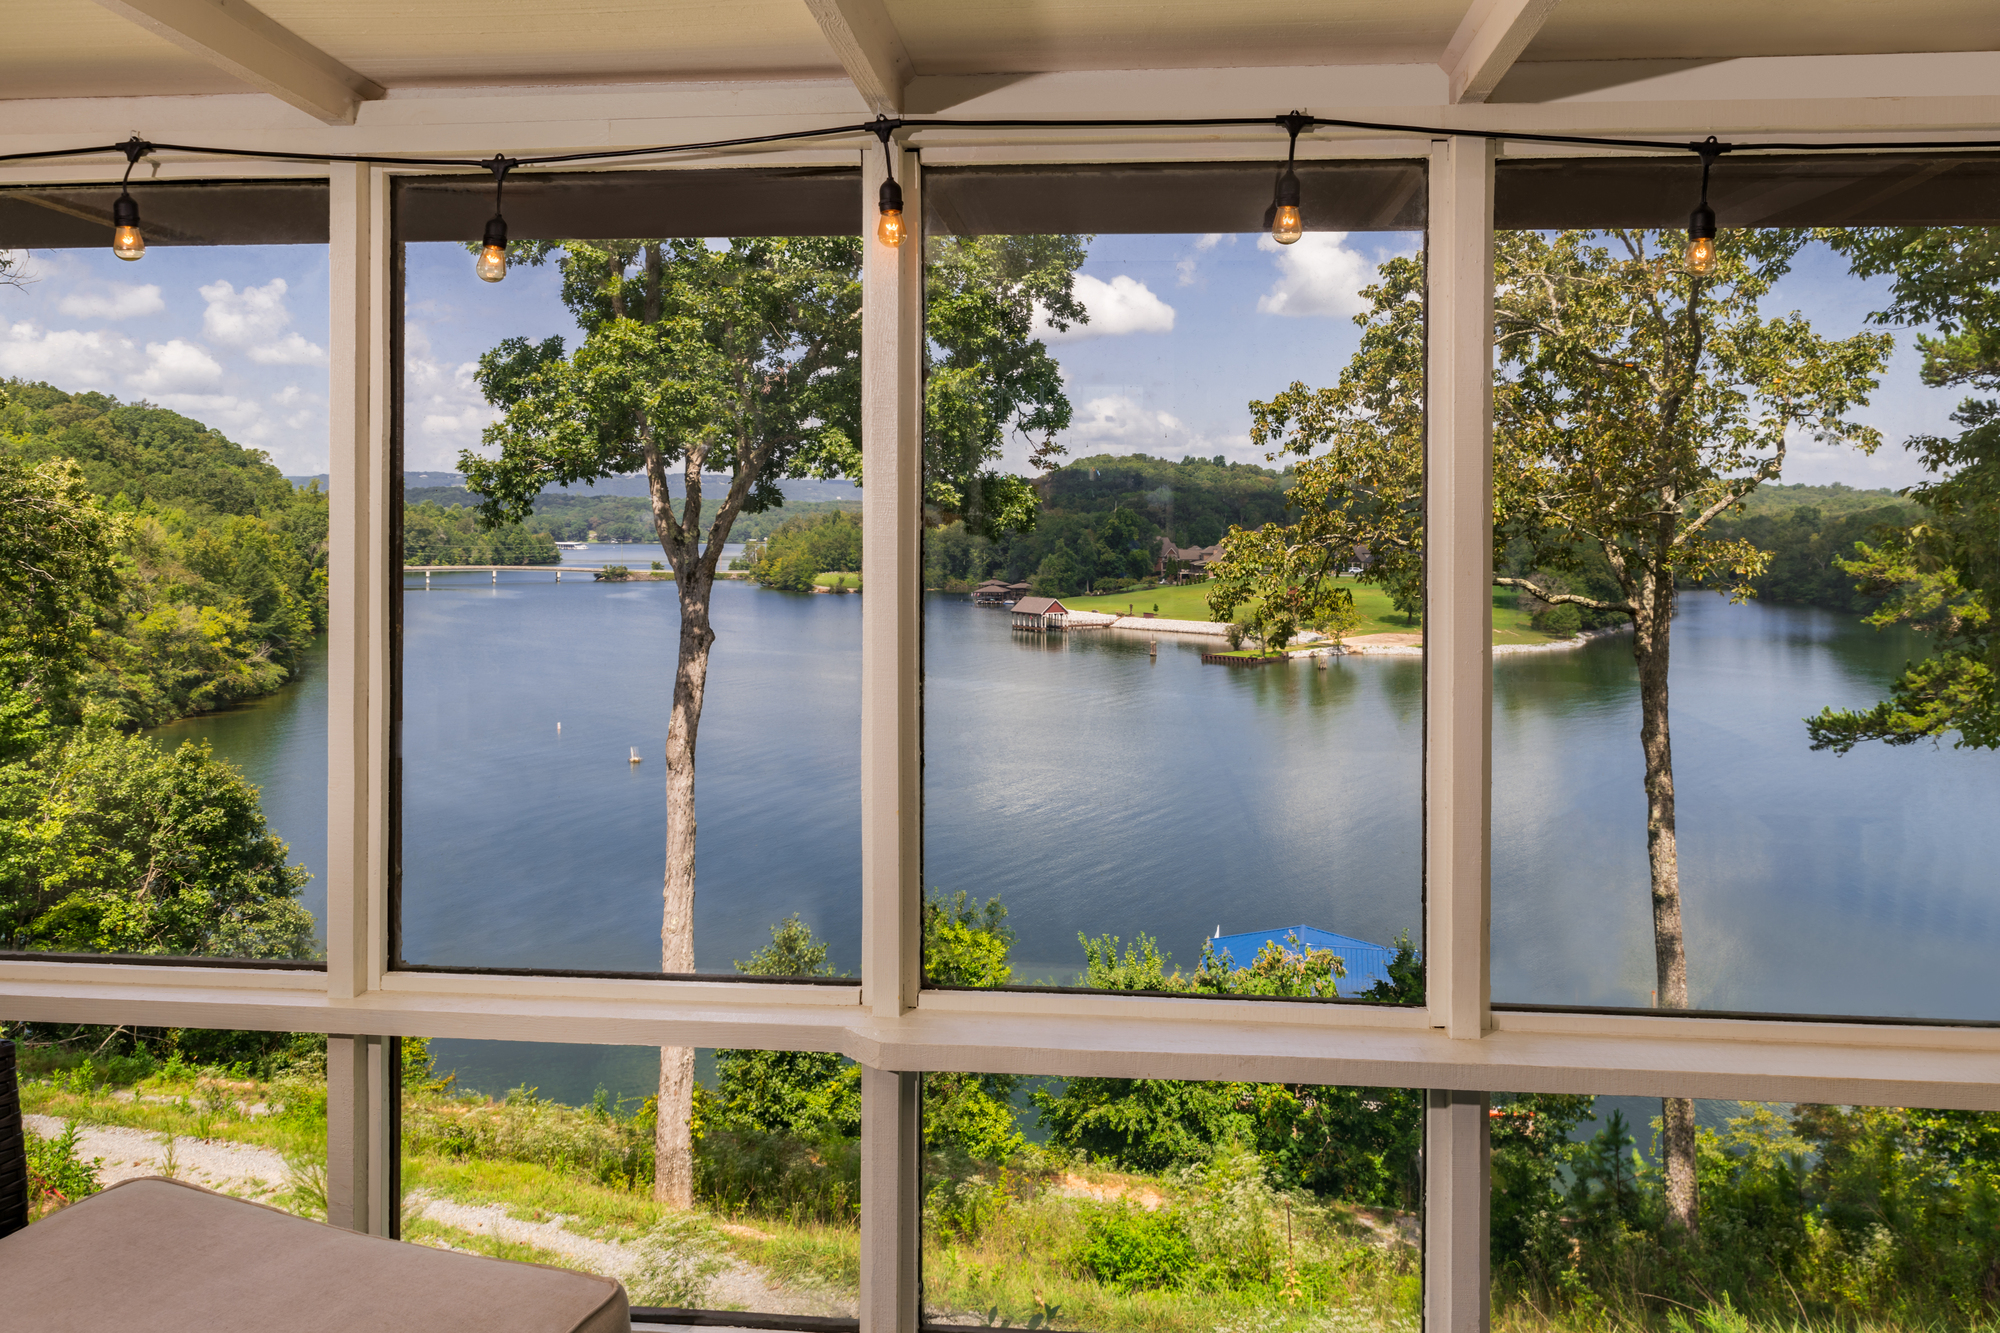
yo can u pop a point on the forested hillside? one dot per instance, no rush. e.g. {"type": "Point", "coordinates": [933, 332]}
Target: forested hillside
{"type": "Point", "coordinates": [436, 535]}
{"type": "Point", "coordinates": [220, 563]}
{"type": "Point", "coordinates": [1102, 519]}
{"type": "Point", "coordinates": [149, 568]}
{"type": "Point", "coordinates": [617, 518]}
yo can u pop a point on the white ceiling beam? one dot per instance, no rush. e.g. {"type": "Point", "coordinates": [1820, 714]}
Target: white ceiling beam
{"type": "Point", "coordinates": [863, 36]}
{"type": "Point", "coordinates": [269, 57]}
{"type": "Point", "coordinates": [1490, 38]}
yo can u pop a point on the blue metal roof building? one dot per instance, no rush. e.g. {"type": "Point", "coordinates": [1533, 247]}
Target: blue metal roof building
{"type": "Point", "coordinates": [1366, 963]}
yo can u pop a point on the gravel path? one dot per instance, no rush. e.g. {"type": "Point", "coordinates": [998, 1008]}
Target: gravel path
{"type": "Point", "coordinates": [260, 1174]}
{"type": "Point", "coordinates": [229, 1168]}
{"type": "Point", "coordinates": [738, 1286]}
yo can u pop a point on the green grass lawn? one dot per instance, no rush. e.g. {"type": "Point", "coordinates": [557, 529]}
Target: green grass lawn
{"type": "Point", "coordinates": [837, 579]}
{"type": "Point", "coordinates": [1189, 601]}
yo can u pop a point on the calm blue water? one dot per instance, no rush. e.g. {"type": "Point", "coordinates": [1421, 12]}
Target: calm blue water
{"type": "Point", "coordinates": [1811, 883]}
{"type": "Point", "coordinates": [1096, 790]}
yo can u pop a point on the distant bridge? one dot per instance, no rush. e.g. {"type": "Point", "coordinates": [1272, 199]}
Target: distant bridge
{"type": "Point", "coordinates": [560, 570]}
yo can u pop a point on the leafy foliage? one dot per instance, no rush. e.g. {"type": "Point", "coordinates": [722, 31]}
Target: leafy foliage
{"type": "Point", "coordinates": [1130, 1247]}
{"type": "Point", "coordinates": [57, 1175]}
{"type": "Point", "coordinates": [1941, 574]}
{"type": "Point", "coordinates": [435, 535]}
{"type": "Point", "coordinates": [194, 580]}
{"type": "Point", "coordinates": [804, 547]}
{"type": "Point", "coordinates": [124, 847]}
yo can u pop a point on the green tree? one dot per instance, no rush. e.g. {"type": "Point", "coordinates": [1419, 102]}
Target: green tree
{"type": "Point", "coordinates": [1058, 575]}
{"type": "Point", "coordinates": [56, 573]}
{"type": "Point", "coordinates": [985, 373]}
{"type": "Point", "coordinates": [1634, 405]}
{"type": "Point", "coordinates": [744, 361]}
{"type": "Point", "coordinates": [1942, 573]}
{"type": "Point", "coordinates": [809, 1095]}
{"type": "Point", "coordinates": [968, 943]}
{"type": "Point", "coordinates": [131, 848]}
{"type": "Point", "coordinates": [805, 547]}
{"type": "Point", "coordinates": [737, 361]}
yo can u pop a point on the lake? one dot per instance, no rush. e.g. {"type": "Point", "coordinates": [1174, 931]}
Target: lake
{"type": "Point", "coordinates": [1098, 789]}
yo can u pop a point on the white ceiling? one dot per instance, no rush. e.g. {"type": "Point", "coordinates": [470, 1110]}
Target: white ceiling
{"type": "Point", "coordinates": [328, 56]}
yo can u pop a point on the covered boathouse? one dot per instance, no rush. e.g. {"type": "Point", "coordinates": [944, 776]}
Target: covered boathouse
{"type": "Point", "coordinates": [1040, 614]}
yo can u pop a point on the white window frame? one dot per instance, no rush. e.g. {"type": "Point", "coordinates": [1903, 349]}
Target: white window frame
{"type": "Point", "coordinates": [1455, 1045]}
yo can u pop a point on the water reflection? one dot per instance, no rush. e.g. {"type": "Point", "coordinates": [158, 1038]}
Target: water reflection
{"type": "Point", "coordinates": [1100, 791]}
{"type": "Point", "coordinates": [1812, 883]}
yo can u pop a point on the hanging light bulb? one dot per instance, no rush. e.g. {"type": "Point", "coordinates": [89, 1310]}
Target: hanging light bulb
{"type": "Point", "coordinates": [889, 230]}
{"type": "Point", "coordinates": [1700, 256]}
{"type": "Point", "coordinates": [492, 263]}
{"type": "Point", "coordinates": [127, 241]}
{"type": "Point", "coordinates": [1287, 222]}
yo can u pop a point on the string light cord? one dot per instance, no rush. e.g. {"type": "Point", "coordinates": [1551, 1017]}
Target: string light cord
{"type": "Point", "coordinates": [1287, 216]}
{"type": "Point", "coordinates": [882, 124]}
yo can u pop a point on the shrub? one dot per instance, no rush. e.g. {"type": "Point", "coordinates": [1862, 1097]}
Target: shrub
{"type": "Point", "coordinates": [965, 1208]}
{"type": "Point", "coordinates": [56, 1175]}
{"type": "Point", "coordinates": [1131, 1248]}
{"type": "Point", "coordinates": [743, 1170]}
{"type": "Point", "coordinates": [614, 574]}
{"type": "Point", "coordinates": [1563, 620]}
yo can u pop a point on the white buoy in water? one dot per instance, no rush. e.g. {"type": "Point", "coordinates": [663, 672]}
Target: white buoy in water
{"type": "Point", "coordinates": [635, 755]}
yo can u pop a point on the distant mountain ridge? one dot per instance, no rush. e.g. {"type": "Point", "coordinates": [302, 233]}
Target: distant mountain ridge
{"type": "Point", "coordinates": [800, 491]}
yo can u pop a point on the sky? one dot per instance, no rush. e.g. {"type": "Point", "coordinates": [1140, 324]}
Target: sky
{"type": "Point", "coordinates": [1184, 332]}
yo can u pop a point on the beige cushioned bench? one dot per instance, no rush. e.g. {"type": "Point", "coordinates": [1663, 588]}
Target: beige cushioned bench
{"type": "Point", "coordinates": [158, 1256]}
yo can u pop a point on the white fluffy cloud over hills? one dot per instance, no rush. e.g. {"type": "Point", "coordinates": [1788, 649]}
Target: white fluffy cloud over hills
{"type": "Point", "coordinates": [224, 351]}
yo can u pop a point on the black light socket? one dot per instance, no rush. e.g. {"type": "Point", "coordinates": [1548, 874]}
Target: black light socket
{"type": "Point", "coordinates": [891, 197]}
{"type": "Point", "coordinates": [125, 211]}
{"type": "Point", "coordinates": [1701, 222]}
{"type": "Point", "coordinates": [1288, 189]}
{"type": "Point", "coordinates": [496, 231]}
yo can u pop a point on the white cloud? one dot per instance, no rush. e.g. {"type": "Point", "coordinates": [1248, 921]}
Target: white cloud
{"type": "Point", "coordinates": [255, 319]}
{"type": "Point", "coordinates": [1209, 240]}
{"type": "Point", "coordinates": [444, 405]}
{"type": "Point", "coordinates": [174, 368]}
{"type": "Point", "coordinates": [290, 350]}
{"type": "Point", "coordinates": [70, 359]}
{"type": "Point", "coordinates": [1120, 306]}
{"type": "Point", "coordinates": [1317, 275]}
{"type": "Point", "coordinates": [1104, 423]}
{"type": "Point", "coordinates": [117, 301]}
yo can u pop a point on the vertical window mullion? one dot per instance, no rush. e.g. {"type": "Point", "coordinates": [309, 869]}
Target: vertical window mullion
{"type": "Point", "coordinates": [1458, 714]}
{"type": "Point", "coordinates": [891, 760]}
{"type": "Point", "coordinates": [1458, 594]}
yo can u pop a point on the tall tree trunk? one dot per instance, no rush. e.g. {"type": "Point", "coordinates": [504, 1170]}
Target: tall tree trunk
{"type": "Point", "coordinates": [673, 1139]}
{"type": "Point", "coordinates": [1652, 625]}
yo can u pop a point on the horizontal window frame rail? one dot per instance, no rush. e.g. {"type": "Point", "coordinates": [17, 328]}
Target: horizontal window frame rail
{"type": "Point", "coordinates": [587, 974]}
{"type": "Point", "coordinates": [1741, 1015]}
{"type": "Point", "coordinates": [1095, 1036]}
{"type": "Point", "coordinates": [1017, 988]}
{"type": "Point", "coordinates": [163, 960]}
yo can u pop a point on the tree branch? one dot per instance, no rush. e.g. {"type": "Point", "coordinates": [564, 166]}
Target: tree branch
{"type": "Point", "coordinates": [1553, 598]}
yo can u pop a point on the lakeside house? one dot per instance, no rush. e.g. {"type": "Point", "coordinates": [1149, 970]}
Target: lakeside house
{"type": "Point", "coordinates": [1365, 963]}
{"type": "Point", "coordinates": [995, 593]}
{"type": "Point", "coordinates": [1180, 563]}
{"type": "Point", "coordinates": [1040, 614]}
